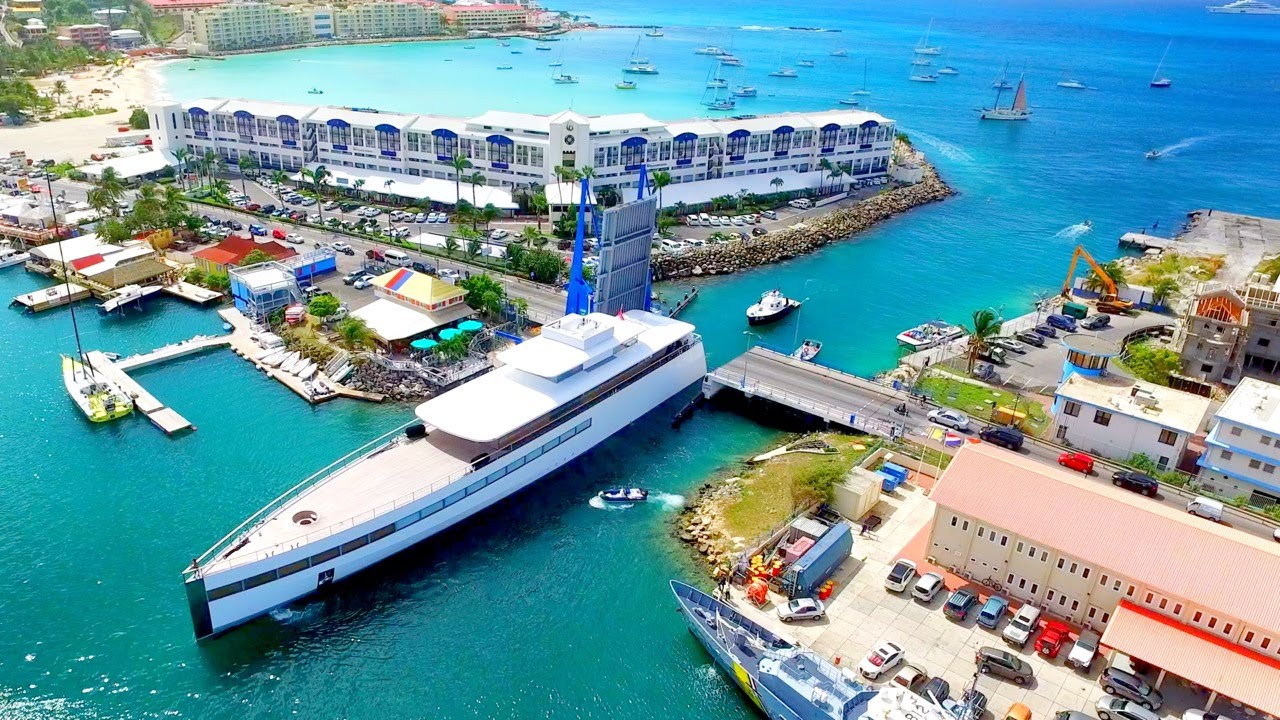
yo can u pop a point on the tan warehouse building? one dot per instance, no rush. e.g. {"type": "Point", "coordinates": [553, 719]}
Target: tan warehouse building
{"type": "Point", "coordinates": [1188, 596]}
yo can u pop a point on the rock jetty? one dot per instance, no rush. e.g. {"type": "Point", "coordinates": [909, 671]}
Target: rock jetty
{"type": "Point", "coordinates": [699, 523]}
{"type": "Point", "coordinates": [787, 243]}
{"type": "Point", "coordinates": [398, 387]}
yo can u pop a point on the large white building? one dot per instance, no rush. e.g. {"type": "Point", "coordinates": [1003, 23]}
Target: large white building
{"type": "Point", "coordinates": [246, 25]}
{"type": "Point", "coordinates": [705, 158]}
{"type": "Point", "coordinates": [1117, 417]}
{"type": "Point", "coordinates": [1190, 597]}
{"type": "Point", "coordinates": [1242, 450]}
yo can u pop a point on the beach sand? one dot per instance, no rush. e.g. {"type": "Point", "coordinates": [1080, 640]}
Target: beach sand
{"type": "Point", "coordinates": [76, 139]}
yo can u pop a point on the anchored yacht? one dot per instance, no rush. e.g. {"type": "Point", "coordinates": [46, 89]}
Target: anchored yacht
{"type": "Point", "coordinates": [552, 398]}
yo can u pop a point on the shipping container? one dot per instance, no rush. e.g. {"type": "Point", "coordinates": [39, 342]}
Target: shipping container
{"type": "Point", "coordinates": [1075, 310]}
{"type": "Point", "coordinates": [803, 577]}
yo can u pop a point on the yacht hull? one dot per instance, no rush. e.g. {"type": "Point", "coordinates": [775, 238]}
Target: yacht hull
{"type": "Point", "coordinates": [213, 613]}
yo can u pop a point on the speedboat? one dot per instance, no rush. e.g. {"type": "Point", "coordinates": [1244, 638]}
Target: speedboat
{"type": "Point", "coordinates": [504, 43]}
{"type": "Point", "coordinates": [839, 53]}
{"type": "Point", "coordinates": [10, 256]}
{"type": "Point", "coordinates": [710, 50]}
{"type": "Point", "coordinates": [805, 63]}
{"type": "Point", "coordinates": [924, 78]}
{"type": "Point", "coordinates": [1002, 85]}
{"type": "Point", "coordinates": [504, 67]}
{"type": "Point", "coordinates": [730, 60]}
{"type": "Point", "coordinates": [545, 48]}
{"type": "Point", "coordinates": [315, 91]}
{"type": "Point", "coordinates": [927, 335]}
{"type": "Point", "coordinates": [773, 306]}
{"type": "Point", "coordinates": [623, 495]}
{"type": "Point", "coordinates": [745, 91]}
{"type": "Point", "coordinates": [625, 85]}
{"type": "Point", "coordinates": [807, 350]}
{"type": "Point", "coordinates": [1073, 85]}
{"type": "Point", "coordinates": [1153, 154]}
{"type": "Point", "coordinates": [848, 101]}
{"type": "Point", "coordinates": [468, 47]}
{"type": "Point", "coordinates": [1245, 7]}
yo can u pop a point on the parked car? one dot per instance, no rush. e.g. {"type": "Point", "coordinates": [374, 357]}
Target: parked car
{"type": "Point", "coordinates": [1011, 438]}
{"type": "Point", "coordinates": [1083, 652]}
{"type": "Point", "coordinates": [1095, 322]}
{"type": "Point", "coordinates": [1046, 330]}
{"type": "Point", "coordinates": [1126, 685]}
{"type": "Point", "coordinates": [994, 661]}
{"type": "Point", "coordinates": [900, 575]}
{"type": "Point", "coordinates": [294, 238]}
{"type": "Point", "coordinates": [1021, 626]}
{"type": "Point", "coordinates": [1136, 481]}
{"type": "Point", "coordinates": [1113, 708]}
{"type": "Point", "coordinates": [992, 610]}
{"type": "Point", "coordinates": [769, 215]}
{"type": "Point", "coordinates": [1070, 715]}
{"type": "Point", "coordinates": [911, 677]}
{"type": "Point", "coordinates": [1198, 714]}
{"type": "Point", "coordinates": [936, 688]}
{"type": "Point", "coordinates": [1009, 344]}
{"type": "Point", "coordinates": [1052, 638]}
{"type": "Point", "coordinates": [758, 231]}
{"type": "Point", "coordinates": [1077, 461]}
{"type": "Point", "coordinates": [949, 418]}
{"type": "Point", "coordinates": [451, 276]}
{"type": "Point", "coordinates": [498, 234]}
{"type": "Point", "coordinates": [342, 247]}
{"type": "Point", "coordinates": [362, 283]}
{"type": "Point", "coordinates": [928, 587]}
{"type": "Point", "coordinates": [1206, 508]}
{"type": "Point", "coordinates": [1031, 337]}
{"type": "Point", "coordinates": [267, 209]}
{"type": "Point", "coordinates": [881, 659]}
{"type": "Point", "coordinates": [959, 604]}
{"type": "Point", "coordinates": [351, 277]}
{"type": "Point", "coordinates": [1061, 322]}
{"type": "Point", "coordinates": [801, 609]}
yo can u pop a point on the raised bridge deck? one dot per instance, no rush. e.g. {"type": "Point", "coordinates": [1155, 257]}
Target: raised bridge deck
{"type": "Point", "coordinates": [816, 390]}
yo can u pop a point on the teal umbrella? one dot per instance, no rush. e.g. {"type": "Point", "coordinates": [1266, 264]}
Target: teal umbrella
{"type": "Point", "coordinates": [449, 334]}
{"type": "Point", "coordinates": [470, 326]}
{"type": "Point", "coordinates": [423, 344]}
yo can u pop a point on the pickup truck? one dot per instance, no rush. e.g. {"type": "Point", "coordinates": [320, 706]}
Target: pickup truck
{"type": "Point", "coordinates": [993, 354]}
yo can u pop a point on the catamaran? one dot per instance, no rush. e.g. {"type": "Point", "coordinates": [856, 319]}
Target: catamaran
{"type": "Point", "coordinates": [1156, 80]}
{"type": "Point", "coordinates": [551, 399]}
{"type": "Point", "coordinates": [1017, 111]}
{"type": "Point", "coordinates": [639, 65]}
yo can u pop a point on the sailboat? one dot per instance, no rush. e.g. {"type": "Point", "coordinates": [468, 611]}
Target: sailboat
{"type": "Point", "coordinates": [864, 90]}
{"type": "Point", "coordinates": [561, 77]}
{"type": "Point", "coordinates": [656, 32]}
{"type": "Point", "coordinates": [1156, 80]}
{"type": "Point", "coordinates": [1017, 111]}
{"type": "Point", "coordinates": [97, 396]}
{"type": "Point", "coordinates": [921, 75]}
{"type": "Point", "coordinates": [718, 101]}
{"type": "Point", "coordinates": [639, 65]}
{"type": "Point", "coordinates": [924, 48]}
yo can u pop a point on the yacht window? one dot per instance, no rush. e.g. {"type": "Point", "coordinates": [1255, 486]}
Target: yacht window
{"type": "Point", "coordinates": [224, 591]}
{"type": "Point", "coordinates": [455, 498]}
{"type": "Point", "coordinates": [294, 567]}
{"type": "Point", "coordinates": [476, 486]}
{"type": "Point", "coordinates": [325, 556]}
{"type": "Point", "coordinates": [260, 579]}
{"type": "Point", "coordinates": [405, 522]}
{"type": "Point", "coordinates": [355, 544]}
{"type": "Point", "coordinates": [381, 532]}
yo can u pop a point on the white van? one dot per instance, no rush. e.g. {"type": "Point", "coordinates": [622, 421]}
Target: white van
{"type": "Point", "coordinates": [396, 258]}
{"type": "Point", "coordinates": [801, 203]}
{"type": "Point", "coordinates": [1206, 508]}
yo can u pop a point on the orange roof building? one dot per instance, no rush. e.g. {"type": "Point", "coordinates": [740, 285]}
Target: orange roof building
{"type": "Point", "coordinates": [1132, 567]}
{"type": "Point", "coordinates": [234, 249]}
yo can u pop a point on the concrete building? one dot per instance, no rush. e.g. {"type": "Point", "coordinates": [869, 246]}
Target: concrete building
{"type": "Point", "coordinates": [126, 38]}
{"type": "Point", "coordinates": [486, 18]}
{"type": "Point", "coordinates": [1117, 417]}
{"type": "Point", "coordinates": [386, 19]}
{"type": "Point", "coordinates": [1213, 336]}
{"type": "Point", "coordinates": [705, 158]}
{"type": "Point", "coordinates": [93, 35]}
{"type": "Point", "coordinates": [34, 29]}
{"type": "Point", "coordinates": [1190, 597]}
{"type": "Point", "coordinates": [1242, 450]}
{"type": "Point", "coordinates": [171, 7]}
{"type": "Point", "coordinates": [244, 25]}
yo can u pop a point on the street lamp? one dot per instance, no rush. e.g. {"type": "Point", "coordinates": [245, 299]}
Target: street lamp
{"type": "Point", "coordinates": [746, 358]}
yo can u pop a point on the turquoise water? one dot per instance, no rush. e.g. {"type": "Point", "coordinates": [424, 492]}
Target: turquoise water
{"type": "Point", "coordinates": [547, 607]}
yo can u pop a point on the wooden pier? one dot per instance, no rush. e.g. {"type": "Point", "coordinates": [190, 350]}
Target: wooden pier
{"type": "Point", "coordinates": [52, 297]}
{"type": "Point", "coordinates": [192, 293]}
{"type": "Point", "coordinates": [144, 402]}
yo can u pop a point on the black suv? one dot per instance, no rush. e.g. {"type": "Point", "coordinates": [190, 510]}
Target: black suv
{"type": "Point", "coordinates": [1008, 437]}
{"type": "Point", "coordinates": [1137, 482]}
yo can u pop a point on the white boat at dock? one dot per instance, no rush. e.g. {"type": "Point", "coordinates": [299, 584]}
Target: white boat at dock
{"type": "Point", "coordinates": [128, 295]}
{"type": "Point", "coordinates": [550, 400]}
{"type": "Point", "coordinates": [97, 396]}
{"type": "Point", "coordinates": [927, 335]}
{"type": "Point", "coordinates": [10, 256]}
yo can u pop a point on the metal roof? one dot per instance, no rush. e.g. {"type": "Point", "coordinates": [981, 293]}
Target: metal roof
{"type": "Point", "coordinates": [1158, 546]}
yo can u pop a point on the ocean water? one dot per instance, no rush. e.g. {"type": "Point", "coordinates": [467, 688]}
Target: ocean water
{"type": "Point", "coordinates": [548, 607]}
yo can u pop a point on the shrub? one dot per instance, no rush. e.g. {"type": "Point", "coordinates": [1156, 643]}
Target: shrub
{"type": "Point", "coordinates": [138, 119]}
{"type": "Point", "coordinates": [195, 276]}
{"type": "Point", "coordinates": [821, 480]}
{"type": "Point", "coordinates": [323, 306]}
{"type": "Point", "coordinates": [1152, 363]}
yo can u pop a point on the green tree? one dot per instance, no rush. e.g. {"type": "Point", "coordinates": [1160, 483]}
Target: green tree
{"type": "Point", "coordinates": [826, 166]}
{"type": "Point", "coordinates": [194, 275]}
{"type": "Point", "coordinates": [138, 119]}
{"type": "Point", "coordinates": [660, 179]}
{"type": "Point", "coordinates": [985, 326]}
{"type": "Point", "coordinates": [450, 245]}
{"type": "Point", "coordinates": [485, 294]}
{"type": "Point", "coordinates": [318, 177]}
{"type": "Point", "coordinates": [1151, 363]}
{"type": "Point", "coordinates": [489, 213]}
{"type": "Point", "coordinates": [113, 231]}
{"type": "Point", "coordinates": [521, 306]}
{"type": "Point", "coordinates": [281, 179]}
{"type": "Point", "coordinates": [460, 164]}
{"type": "Point", "coordinates": [358, 185]}
{"type": "Point", "coordinates": [545, 265]}
{"type": "Point", "coordinates": [777, 183]}
{"type": "Point", "coordinates": [60, 88]}
{"type": "Point", "coordinates": [218, 281]}
{"type": "Point", "coordinates": [254, 257]}
{"type": "Point", "coordinates": [1113, 270]}
{"type": "Point", "coordinates": [539, 206]}
{"type": "Point", "coordinates": [184, 157]}
{"type": "Point", "coordinates": [247, 164]}
{"type": "Point", "coordinates": [220, 191]}
{"type": "Point", "coordinates": [515, 253]}
{"type": "Point", "coordinates": [1165, 289]}
{"type": "Point", "coordinates": [354, 334]}
{"type": "Point", "coordinates": [474, 248]}
{"type": "Point", "coordinates": [112, 186]}
{"type": "Point", "coordinates": [455, 348]}
{"type": "Point", "coordinates": [322, 306]}
{"type": "Point", "coordinates": [101, 202]}
{"type": "Point", "coordinates": [476, 179]}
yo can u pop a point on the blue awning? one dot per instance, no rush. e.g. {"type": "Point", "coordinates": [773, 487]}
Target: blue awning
{"type": "Point", "coordinates": [783, 130]}
{"type": "Point", "coordinates": [287, 119]}
{"type": "Point", "coordinates": [500, 140]}
{"type": "Point", "coordinates": [441, 132]}
{"type": "Point", "coordinates": [830, 126]}
{"type": "Point", "coordinates": [385, 128]}
{"type": "Point", "coordinates": [687, 136]}
{"type": "Point", "coordinates": [739, 134]}
{"type": "Point", "coordinates": [870, 124]}
{"type": "Point", "coordinates": [634, 142]}
{"type": "Point", "coordinates": [198, 111]}
{"type": "Point", "coordinates": [243, 114]}
{"type": "Point", "coordinates": [336, 122]}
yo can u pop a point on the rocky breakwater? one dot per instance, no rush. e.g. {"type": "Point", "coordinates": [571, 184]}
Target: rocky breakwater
{"type": "Point", "coordinates": [699, 524]}
{"type": "Point", "coordinates": [816, 232]}
{"type": "Point", "coordinates": [397, 386]}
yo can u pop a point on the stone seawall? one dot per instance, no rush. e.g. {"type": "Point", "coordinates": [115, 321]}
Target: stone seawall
{"type": "Point", "coordinates": [787, 243]}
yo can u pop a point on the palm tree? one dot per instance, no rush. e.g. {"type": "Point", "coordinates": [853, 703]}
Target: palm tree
{"type": "Point", "coordinates": [985, 326]}
{"type": "Point", "coordinates": [183, 156]}
{"type": "Point", "coordinates": [318, 177]}
{"type": "Point", "coordinates": [100, 201]}
{"type": "Point", "coordinates": [489, 213]}
{"type": "Point", "coordinates": [1113, 270]}
{"type": "Point", "coordinates": [539, 205]}
{"type": "Point", "coordinates": [777, 183]}
{"type": "Point", "coordinates": [834, 173]}
{"type": "Point", "coordinates": [354, 333]}
{"type": "Point", "coordinates": [210, 161]}
{"type": "Point", "coordinates": [358, 184]}
{"type": "Point", "coordinates": [1165, 289]}
{"type": "Point", "coordinates": [59, 89]}
{"type": "Point", "coordinates": [247, 164]}
{"type": "Point", "coordinates": [566, 174]}
{"type": "Point", "coordinates": [218, 190]}
{"type": "Point", "coordinates": [450, 245]}
{"type": "Point", "coordinates": [475, 179]}
{"type": "Point", "coordinates": [112, 187]}
{"type": "Point", "coordinates": [280, 177]}
{"type": "Point", "coordinates": [825, 166]}
{"type": "Point", "coordinates": [460, 163]}
{"type": "Point", "coordinates": [530, 235]}
{"type": "Point", "coordinates": [660, 179]}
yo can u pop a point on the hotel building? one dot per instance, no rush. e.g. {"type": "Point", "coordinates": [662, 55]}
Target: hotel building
{"type": "Point", "coordinates": [412, 155]}
{"type": "Point", "coordinates": [23, 9]}
{"type": "Point", "coordinates": [94, 35]}
{"type": "Point", "coordinates": [1242, 450]}
{"type": "Point", "coordinates": [486, 18]}
{"type": "Point", "coordinates": [243, 25]}
{"type": "Point", "coordinates": [1186, 595]}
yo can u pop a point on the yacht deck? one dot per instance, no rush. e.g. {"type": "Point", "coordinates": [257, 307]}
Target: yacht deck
{"type": "Point", "coordinates": [364, 489]}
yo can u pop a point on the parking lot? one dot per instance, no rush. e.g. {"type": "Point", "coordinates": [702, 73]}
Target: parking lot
{"type": "Point", "coordinates": [862, 613]}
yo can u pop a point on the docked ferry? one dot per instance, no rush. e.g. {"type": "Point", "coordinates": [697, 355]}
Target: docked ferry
{"type": "Point", "coordinates": [551, 399]}
{"type": "Point", "coordinates": [785, 680]}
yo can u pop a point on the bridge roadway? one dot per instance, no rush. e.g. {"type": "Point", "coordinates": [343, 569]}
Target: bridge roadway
{"type": "Point", "coordinates": [866, 406]}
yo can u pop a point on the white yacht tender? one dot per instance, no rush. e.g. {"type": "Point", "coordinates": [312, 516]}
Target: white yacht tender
{"type": "Point", "coordinates": [552, 398]}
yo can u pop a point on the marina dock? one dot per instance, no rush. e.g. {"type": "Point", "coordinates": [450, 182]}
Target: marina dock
{"type": "Point", "coordinates": [1143, 242]}
{"type": "Point", "coordinates": [52, 297]}
{"type": "Point", "coordinates": [161, 416]}
{"type": "Point", "coordinates": [192, 293]}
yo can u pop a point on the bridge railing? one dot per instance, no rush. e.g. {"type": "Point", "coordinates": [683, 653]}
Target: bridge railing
{"type": "Point", "coordinates": [834, 413]}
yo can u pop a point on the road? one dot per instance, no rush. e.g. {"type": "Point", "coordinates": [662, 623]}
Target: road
{"type": "Point", "coordinates": [812, 387]}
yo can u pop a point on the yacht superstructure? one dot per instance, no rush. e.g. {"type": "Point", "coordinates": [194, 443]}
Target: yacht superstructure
{"type": "Point", "coordinates": [552, 398]}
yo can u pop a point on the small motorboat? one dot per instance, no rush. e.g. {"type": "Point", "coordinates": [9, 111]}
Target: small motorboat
{"type": "Point", "coordinates": [849, 101]}
{"type": "Point", "coordinates": [625, 85]}
{"type": "Point", "coordinates": [504, 67]}
{"type": "Point", "coordinates": [624, 495]}
{"type": "Point", "coordinates": [808, 350]}
{"type": "Point", "coordinates": [773, 306]}
{"type": "Point", "coordinates": [1153, 154]}
{"type": "Point", "coordinates": [1088, 224]}
{"type": "Point", "coordinates": [315, 91]}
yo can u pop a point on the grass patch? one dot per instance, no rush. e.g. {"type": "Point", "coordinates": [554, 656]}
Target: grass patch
{"type": "Point", "coordinates": [773, 490]}
{"type": "Point", "coordinates": [165, 28]}
{"type": "Point", "coordinates": [1171, 264]}
{"type": "Point", "coordinates": [981, 400]}
{"type": "Point", "coordinates": [1269, 267]}
{"type": "Point", "coordinates": [1150, 362]}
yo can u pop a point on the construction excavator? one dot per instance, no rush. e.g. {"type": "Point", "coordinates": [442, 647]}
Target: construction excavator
{"type": "Point", "coordinates": [1109, 301]}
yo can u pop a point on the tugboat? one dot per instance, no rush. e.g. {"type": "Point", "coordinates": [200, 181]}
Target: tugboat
{"type": "Point", "coordinates": [773, 306]}
{"type": "Point", "coordinates": [623, 495]}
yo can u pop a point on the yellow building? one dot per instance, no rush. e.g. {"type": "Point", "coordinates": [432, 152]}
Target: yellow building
{"type": "Point", "coordinates": [384, 18]}
{"type": "Point", "coordinates": [487, 17]}
{"type": "Point", "coordinates": [244, 25]}
{"type": "Point", "coordinates": [418, 290]}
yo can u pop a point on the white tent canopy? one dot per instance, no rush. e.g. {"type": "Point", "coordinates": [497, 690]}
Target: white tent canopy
{"type": "Point", "coordinates": [133, 165]}
{"type": "Point", "coordinates": [392, 321]}
{"type": "Point", "coordinates": [414, 187]}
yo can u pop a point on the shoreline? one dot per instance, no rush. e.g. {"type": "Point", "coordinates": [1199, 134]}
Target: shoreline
{"type": "Point", "coordinates": [523, 35]}
{"type": "Point", "coordinates": [842, 223]}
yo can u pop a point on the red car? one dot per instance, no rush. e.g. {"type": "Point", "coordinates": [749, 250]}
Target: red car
{"type": "Point", "coordinates": [1055, 635]}
{"type": "Point", "coordinates": [1076, 461]}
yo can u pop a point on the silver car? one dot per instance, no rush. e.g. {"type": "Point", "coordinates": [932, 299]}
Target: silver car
{"type": "Point", "coordinates": [1130, 687]}
{"type": "Point", "coordinates": [928, 587]}
{"type": "Point", "coordinates": [801, 609]}
{"type": "Point", "coordinates": [1114, 708]}
{"type": "Point", "coordinates": [947, 417]}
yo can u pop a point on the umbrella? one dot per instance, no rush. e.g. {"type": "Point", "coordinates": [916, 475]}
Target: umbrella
{"type": "Point", "coordinates": [449, 334]}
{"type": "Point", "coordinates": [423, 344]}
{"type": "Point", "coordinates": [470, 326]}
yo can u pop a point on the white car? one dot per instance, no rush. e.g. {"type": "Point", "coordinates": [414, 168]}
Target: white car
{"type": "Point", "coordinates": [928, 587]}
{"type": "Point", "coordinates": [420, 217]}
{"type": "Point", "coordinates": [294, 238]}
{"type": "Point", "coordinates": [801, 609]}
{"type": "Point", "coordinates": [949, 418]}
{"type": "Point", "coordinates": [314, 219]}
{"type": "Point", "coordinates": [715, 221]}
{"type": "Point", "coordinates": [362, 283]}
{"type": "Point", "coordinates": [1022, 625]}
{"type": "Point", "coordinates": [900, 575]}
{"type": "Point", "coordinates": [769, 215]}
{"type": "Point", "coordinates": [450, 276]}
{"type": "Point", "coordinates": [881, 659]}
{"type": "Point", "coordinates": [498, 234]}
{"type": "Point", "coordinates": [341, 246]}
{"type": "Point", "coordinates": [1083, 652]}
{"type": "Point", "coordinates": [1114, 708]}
